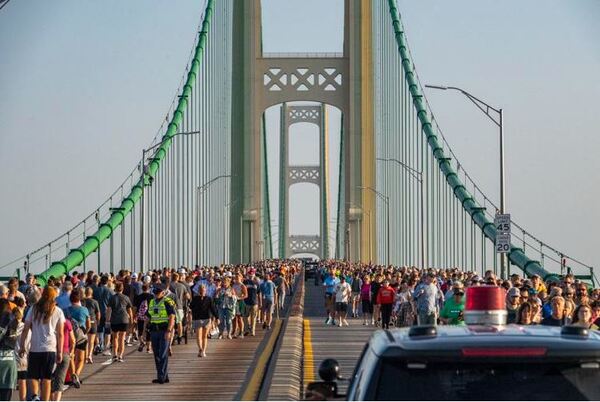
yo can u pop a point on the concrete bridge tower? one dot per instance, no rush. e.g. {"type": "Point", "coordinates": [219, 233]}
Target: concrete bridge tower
{"type": "Point", "coordinates": [260, 81]}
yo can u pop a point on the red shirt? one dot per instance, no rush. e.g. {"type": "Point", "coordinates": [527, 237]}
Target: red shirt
{"type": "Point", "coordinates": [385, 295]}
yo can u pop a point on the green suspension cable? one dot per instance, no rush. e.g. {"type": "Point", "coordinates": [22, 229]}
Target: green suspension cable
{"type": "Point", "coordinates": [468, 203]}
{"type": "Point", "coordinates": [105, 230]}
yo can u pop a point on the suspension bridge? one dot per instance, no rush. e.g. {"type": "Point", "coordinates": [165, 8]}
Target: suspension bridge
{"type": "Point", "coordinates": [200, 193]}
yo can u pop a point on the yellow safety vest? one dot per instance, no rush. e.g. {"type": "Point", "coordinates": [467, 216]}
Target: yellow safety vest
{"type": "Point", "coordinates": [158, 312]}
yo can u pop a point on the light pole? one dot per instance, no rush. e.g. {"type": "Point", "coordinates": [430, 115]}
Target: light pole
{"type": "Point", "coordinates": [498, 121]}
{"type": "Point", "coordinates": [143, 173]}
{"type": "Point", "coordinates": [417, 175]}
{"type": "Point", "coordinates": [199, 190]}
{"type": "Point", "coordinates": [386, 200]}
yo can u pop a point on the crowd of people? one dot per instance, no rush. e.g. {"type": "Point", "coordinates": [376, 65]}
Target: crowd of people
{"type": "Point", "coordinates": [50, 334]}
{"type": "Point", "coordinates": [387, 296]}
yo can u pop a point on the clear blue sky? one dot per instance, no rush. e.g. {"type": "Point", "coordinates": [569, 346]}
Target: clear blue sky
{"type": "Point", "coordinates": [85, 85]}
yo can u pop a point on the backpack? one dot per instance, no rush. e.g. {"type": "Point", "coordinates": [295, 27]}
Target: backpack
{"type": "Point", "coordinates": [78, 332]}
{"type": "Point", "coordinates": [141, 313]}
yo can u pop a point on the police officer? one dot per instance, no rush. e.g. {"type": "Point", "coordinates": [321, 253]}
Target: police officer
{"type": "Point", "coordinates": [161, 311]}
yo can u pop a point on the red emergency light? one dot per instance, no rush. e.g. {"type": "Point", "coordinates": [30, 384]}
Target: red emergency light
{"type": "Point", "coordinates": [485, 305]}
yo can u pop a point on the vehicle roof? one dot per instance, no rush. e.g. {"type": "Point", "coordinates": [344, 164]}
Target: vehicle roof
{"type": "Point", "coordinates": [453, 338]}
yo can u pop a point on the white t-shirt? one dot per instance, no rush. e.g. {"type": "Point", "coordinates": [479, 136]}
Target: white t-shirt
{"type": "Point", "coordinates": [43, 335]}
{"type": "Point", "coordinates": [342, 292]}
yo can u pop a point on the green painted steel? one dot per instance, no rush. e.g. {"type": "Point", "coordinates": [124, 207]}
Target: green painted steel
{"type": "Point", "coordinates": [76, 256]}
{"type": "Point", "coordinates": [516, 255]}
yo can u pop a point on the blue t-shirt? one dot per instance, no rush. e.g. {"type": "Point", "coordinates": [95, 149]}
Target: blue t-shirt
{"type": "Point", "coordinates": [79, 314]}
{"type": "Point", "coordinates": [267, 288]}
{"type": "Point", "coordinates": [330, 283]}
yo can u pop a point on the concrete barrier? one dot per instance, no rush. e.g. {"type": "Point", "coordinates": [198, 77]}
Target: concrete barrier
{"type": "Point", "coordinates": [284, 381]}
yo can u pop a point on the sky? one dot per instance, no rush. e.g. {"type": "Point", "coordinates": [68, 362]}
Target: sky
{"type": "Point", "coordinates": [84, 86]}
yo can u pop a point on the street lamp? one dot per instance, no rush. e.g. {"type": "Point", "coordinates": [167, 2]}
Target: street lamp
{"type": "Point", "coordinates": [199, 190]}
{"type": "Point", "coordinates": [386, 200]}
{"type": "Point", "coordinates": [417, 175]}
{"type": "Point", "coordinates": [498, 121]}
{"type": "Point", "coordinates": [143, 173]}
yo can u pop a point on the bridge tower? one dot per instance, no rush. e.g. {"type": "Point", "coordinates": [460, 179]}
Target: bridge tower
{"type": "Point", "coordinates": [344, 81]}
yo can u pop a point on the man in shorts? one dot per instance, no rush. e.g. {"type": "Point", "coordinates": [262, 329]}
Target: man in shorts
{"type": "Point", "coordinates": [343, 292]}
{"type": "Point", "coordinates": [181, 296]}
{"type": "Point", "coordinates": [267, 295]}
{"type": "Point", "coordinates": [102, 295]}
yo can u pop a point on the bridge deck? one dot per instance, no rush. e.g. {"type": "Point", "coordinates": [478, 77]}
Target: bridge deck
{"type": "Point", "coordinates": [341, 343]}
{"type": "Point", "coordinates": [219, 376]}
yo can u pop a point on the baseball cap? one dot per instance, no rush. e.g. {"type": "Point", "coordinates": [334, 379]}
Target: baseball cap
{"type": "Point", "coordinates": [182, 270]}
{"type": "Point", "coordinates": [514, 292]}
{"type": "Point", "coordinates": [228, 274]}
{"type": "Point", "coordinates": [147, 279]}
{"type": "Point", "coordinates": [158, 287]}
{"type": "Point", "coordinates": [134, 276]}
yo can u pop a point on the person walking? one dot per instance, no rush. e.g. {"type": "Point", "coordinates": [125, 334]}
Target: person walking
{"type": "Point", "coordinates": [427, 295]}
{"type": "Point", "coordinates": [251, 301]}
{"type": "Point", "coordinates": [45, 321]}
{"type": "Point", "coordinates": [267, 296]}
{"type": "Point", "coordinates": [60, 372]}
{"type": "Point", "coordinates": [329, 283]}
{"type": "Point", "coordinates": [203, 310]}
{"type": "Point", "coordinates": [385, 299]}
{"type": "Point", "coordinates": [226, 300]}
{"type": "Point", "coordinates": [356, 286]}
{"type": "Point", "coordinates": [375, 286]}
{"type": "Point", "coordinates": [80, 317]}
{"type": "Point", "coordinates": [365, 298]}
{"type": "Point", "coordinates": [8, 343]}
{"type": "Point", "coordinates": [343, 292]}
{"type": "Point", "coordinates": [102, 295]}
{"type": "Point", "coordinates": [161, 313]}
{"type": "Point", "coordinates": [119, 313]}
{"type": "Point", "coordinates": [140, 305]}
{"type": "Point", "coordinates": [453, 311]}
{"type": "Point", "coordinates": [241, 293]}
{"type": "Point", "coordinates": [181, 296]}
{"type": "Point", "coordinates": [94, 313]}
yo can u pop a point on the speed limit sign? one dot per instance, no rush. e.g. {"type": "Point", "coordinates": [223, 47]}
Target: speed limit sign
{"type": "Point", "coordinates": [502, 243]}
{"type": "Point", "coordinates": [502, 224]}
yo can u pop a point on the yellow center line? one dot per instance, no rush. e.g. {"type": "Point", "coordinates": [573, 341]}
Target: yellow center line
{"type": "Point", "coordinates": [309, 365]}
